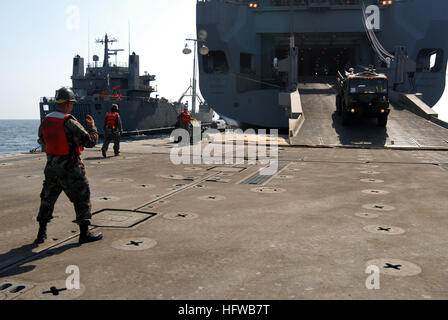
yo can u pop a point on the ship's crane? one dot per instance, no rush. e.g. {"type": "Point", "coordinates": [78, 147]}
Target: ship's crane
{"type": "Point", "coordinates": [189, 93]}
{"type": "Point", "coordinates": [399, 63]}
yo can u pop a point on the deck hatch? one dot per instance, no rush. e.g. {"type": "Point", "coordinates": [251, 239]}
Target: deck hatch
{"type": "Point", "coordinates": [121, 219]}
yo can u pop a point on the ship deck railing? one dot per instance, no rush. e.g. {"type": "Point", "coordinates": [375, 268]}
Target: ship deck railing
{"type": "Point", "coordinates": [306, 3]}
{"type": "Point", "coordinates": [47, 100]}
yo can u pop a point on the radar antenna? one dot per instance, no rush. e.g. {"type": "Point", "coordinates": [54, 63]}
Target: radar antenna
{"type": "Point", "coordinates": [107, 52]}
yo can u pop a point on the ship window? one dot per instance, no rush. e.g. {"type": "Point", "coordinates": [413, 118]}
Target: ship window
{"type": "Point", "coordinates": [98, 107]}
{"type": "Point", "coordinates": [246, 63]}
{"type": "Point", "coordinates": [46, 108]}
{"type": "Point", "coordinates": [215, 62]}
{"type": "Point", "coordinates": [430, 60]}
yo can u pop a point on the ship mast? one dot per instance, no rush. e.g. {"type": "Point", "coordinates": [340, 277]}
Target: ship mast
{"type": "Point", "coordinates": [107, 52]}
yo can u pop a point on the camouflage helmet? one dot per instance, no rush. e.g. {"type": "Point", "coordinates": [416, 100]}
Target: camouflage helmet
{"type": "Point", "coordinates": [65, 95]}
{"type": "Point", "coordinates": [115, 107]}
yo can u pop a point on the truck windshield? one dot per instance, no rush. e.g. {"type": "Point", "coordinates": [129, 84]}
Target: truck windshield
{"type": "Point", "coordinates": [368, 86]}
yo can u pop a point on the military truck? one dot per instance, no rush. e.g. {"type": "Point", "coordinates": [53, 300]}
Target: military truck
{"type": "Point", "coordinates": [363, 94]}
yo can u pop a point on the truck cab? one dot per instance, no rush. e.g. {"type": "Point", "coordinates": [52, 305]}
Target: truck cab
{"type": "Point", "coordinates": [363, 94]}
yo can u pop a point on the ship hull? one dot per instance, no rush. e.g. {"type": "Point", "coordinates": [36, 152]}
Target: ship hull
{"type": "Point", "coordinates": [136, 116]}
{"type": "Point", "coordinates": [237, 76]}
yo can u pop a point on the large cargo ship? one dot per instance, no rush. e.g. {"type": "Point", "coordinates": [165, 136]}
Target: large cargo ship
{"type": "Point", "coordinates": [100, 86]}
{"type": "Point", "coordinates": [259, 49]}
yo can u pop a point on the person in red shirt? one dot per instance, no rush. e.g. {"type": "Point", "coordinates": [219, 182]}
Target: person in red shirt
{"type": "Point", "coordinates": [113, 129]}
{"type": "Point", "coordinates": [184, 122]}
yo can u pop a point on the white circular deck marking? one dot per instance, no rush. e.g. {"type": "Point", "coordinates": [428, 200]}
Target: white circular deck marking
{"type": "Point", "coordinates": [378, 207]}
{"type": "Point", "coordinates": [29, 177]}
{"type": "Point", "coordinates": [371, 172]}
{"type": "Point", "coordinates": [172, 177]}
{"type": "Point", "coordinates": [367, 215]}
{"type": "Point", "coordinates": [368, 166]}
{"type": "Point", "coordinates": [106, 199]}
{"type": "Point", "coordinates": [376, 192]}
{"type": "Point", "coordinates": [145, 186]}
{"type": "Point", "coordinates": [181, 216]}
{"type": "Point", "coordinates": [284, 177]}
{"type": "Point", "coordinates": [118, 180]}
{"type": "Point", "coordinates": [5, 164]}
{"type": "Point", "coordinates": [385, 230]}
{"type": "Point", "coordinates": [268, 190]}
{"type": "Point", "coordinates": [193, 169]}
{"type": "Point", "coordinates": [212, 198]}
{"type": "Point", "coordinates": [395, 267]}
{"type": "Point", "coordinates": [134, 244]}
{"type": "Point", "coordinates": [57, 290]}
{"type": "Point", "coordinates": [372, 180]}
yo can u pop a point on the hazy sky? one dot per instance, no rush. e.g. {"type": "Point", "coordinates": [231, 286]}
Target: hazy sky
{"type": "Point", "coordinates": [41, 37]}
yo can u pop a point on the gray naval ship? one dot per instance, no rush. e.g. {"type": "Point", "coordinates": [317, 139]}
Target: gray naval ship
{"type": "Point", "coordinates": [100, 86]}
{"type": "Point", "coordinates": [261, 49]}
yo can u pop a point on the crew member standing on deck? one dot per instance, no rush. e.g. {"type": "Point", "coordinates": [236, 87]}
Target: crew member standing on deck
{"type": "Point", "coordinates": [184, 118]}
{"type": "Point", "coordinates": [64, 140]}
{"type": "Point", "coordinates": [184, 121]}
{"type": "Point", "coordinates": [113, 129]}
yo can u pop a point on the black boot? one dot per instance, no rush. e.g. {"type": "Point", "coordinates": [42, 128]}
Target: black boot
{"type": "Point", "coordinates": [104, 153]}
{"type": "Point", "coordinates": [86, 236]}
{"type": "Point", "coordinates": [42, 234]}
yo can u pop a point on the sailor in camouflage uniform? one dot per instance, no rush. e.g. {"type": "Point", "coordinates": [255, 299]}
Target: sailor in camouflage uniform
{"type": "Point", "coordinates": [64, 139]}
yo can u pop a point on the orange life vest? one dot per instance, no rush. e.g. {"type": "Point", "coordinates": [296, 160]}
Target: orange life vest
{"type": "Point", "coordinates": [111, 120]}
{"type": "Point", "coordinates": [186, 117]}
{"type": "Point", "coordinates": [54, 135]}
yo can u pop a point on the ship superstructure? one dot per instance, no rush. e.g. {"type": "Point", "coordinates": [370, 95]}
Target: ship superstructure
{"type": "Point", "coordinates": [100, 85]}
{"type": "Point", "coordinates": [259, 49]}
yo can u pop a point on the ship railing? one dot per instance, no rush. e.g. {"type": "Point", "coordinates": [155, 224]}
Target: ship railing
{"type": "Point", "coordinates": [282, 3]}
{"type": "Point", "coordinates": [111, 65]}
{"type": "Point", "coordinates": [47, 100]}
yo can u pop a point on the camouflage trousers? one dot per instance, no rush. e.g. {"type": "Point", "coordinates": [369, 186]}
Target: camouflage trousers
{"type": "Point", "coordinates": [112, 137]}
{"type": "Point", "coordinates": [70, 178]}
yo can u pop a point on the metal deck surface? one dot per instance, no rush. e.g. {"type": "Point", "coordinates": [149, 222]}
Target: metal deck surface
{"type": "Point", "coordinates": [195, 232]}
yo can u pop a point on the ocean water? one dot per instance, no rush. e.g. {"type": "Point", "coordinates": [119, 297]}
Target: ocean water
{"type": "Point", "coordinates": [18, 136]}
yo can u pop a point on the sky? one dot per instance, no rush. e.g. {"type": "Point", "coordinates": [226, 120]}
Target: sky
{"type": "Point", "coordinates": [41, 37]}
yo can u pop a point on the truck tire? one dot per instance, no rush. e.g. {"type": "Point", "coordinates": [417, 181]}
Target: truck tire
{"type": "Point", "coordinates": [338, 105]}
{"type": "Point", "coordinates": [345, 119]}
{"type": "Point", "coordinates": [382, 121]}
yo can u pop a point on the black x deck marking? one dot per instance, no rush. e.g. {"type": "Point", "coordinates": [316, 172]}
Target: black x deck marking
{"type": "Point", "coordinates": [391, 266]}
{"type": "Point", "coordinates": [54, 291]}
{"type": "Point", "coordinates": [134, 243]}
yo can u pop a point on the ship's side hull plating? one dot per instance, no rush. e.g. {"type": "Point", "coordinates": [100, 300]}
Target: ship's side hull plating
{"type": "Point", "coordinates": [238, 79]}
